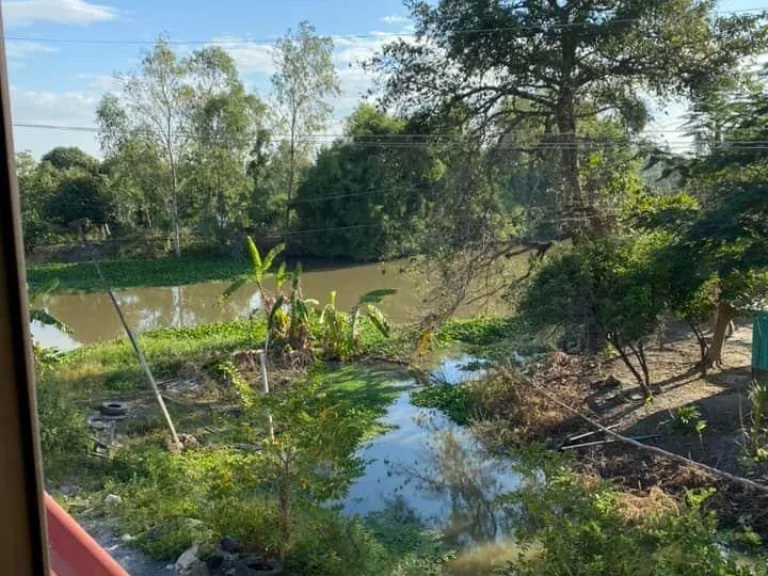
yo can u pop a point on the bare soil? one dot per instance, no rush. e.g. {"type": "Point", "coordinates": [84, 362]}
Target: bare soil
{"type": "Point", "coordinates": [607, 391]}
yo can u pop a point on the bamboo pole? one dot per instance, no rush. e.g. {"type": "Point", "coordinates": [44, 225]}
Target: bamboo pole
{"type": "Point", "coordinates": [140, 354]}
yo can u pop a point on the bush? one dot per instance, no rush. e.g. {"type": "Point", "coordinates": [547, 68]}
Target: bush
{"type": "Point", "coordinates": [577, 528]}
{"type": "Point", "coordinates": [64, 434]}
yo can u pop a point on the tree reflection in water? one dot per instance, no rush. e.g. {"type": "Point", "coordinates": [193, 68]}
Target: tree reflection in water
{"type": "Point", "coordinates": [459, 472]}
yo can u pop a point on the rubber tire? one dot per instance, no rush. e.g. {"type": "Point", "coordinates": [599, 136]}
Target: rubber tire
{"type": "Point", "coordinates": [114, 409]}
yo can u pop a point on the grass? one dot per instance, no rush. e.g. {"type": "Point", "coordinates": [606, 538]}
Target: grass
{"type": "Point", "coordinates": [113, 365]}
{"type": "Point", "coordinates": [166, 271]}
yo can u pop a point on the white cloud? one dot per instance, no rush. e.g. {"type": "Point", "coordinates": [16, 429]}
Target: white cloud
{"type": "Point", "coordinates": [20, 51]}
{"type": "Point", "coordinates": [77, 12]}
{"type": "Point", "coordinates": [55, 108]}
{"type": "Point", "coordinates": [100, 83]}
{"type": "Point", "coordinates": [250, 57]}
{"type": "Point", "coordinates": [394, 19]}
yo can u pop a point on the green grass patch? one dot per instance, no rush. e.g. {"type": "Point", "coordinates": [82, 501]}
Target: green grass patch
{"type": "Point", "coordinates": [114, 366]}
{"type": "Point", "coordinates": [167, 271]}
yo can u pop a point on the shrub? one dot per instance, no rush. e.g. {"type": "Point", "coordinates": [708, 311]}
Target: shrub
{"type": "Point", "coordinates": [577, 529]}
{"type": "Point", "coordinates": [64, 435]}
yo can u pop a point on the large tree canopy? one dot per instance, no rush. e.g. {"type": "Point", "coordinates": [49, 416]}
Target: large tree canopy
{"type": "Point", "coordinates": [563, 61]}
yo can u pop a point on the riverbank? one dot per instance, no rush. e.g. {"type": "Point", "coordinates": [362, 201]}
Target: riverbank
{"type": "Point", "coordinates": [221, 484]}
{"type": "Point", "coordinates": [132, 273]}
{"type": "Point", "coordinates": [171, 271]}
{"type": "Point", "coordinates": [705, 418]}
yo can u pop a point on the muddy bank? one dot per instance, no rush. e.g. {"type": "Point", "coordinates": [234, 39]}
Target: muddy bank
{"type": "Point", "coordinates": [701, 417]}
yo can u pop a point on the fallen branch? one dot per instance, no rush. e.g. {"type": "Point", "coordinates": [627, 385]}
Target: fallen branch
{"type": "Point", "coordinates": [670, 455]}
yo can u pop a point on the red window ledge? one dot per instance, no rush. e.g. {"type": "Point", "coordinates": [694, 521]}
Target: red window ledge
{"type": "Point", "coordinates": [72, 551]}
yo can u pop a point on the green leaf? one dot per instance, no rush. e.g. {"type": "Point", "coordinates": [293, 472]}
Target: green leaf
{"type": "Point", "coordinates": [376, 296]}
{"type": "Point", "coordinates": [378, 320]}
{"type": "Point", "coordinates": [258, 268]}
{"type": "Point", "coordinates": [232, 288]}
{"type": "Point", "coordinates": [275, 309]}
{"type": "Point", "coordinates": [270, 257]}
{"type": "Point", "coordinates": [281, 275]}
{"type": "Point", "coordinates": [48, 319]}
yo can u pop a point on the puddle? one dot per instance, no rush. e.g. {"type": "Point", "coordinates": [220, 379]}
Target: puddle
{"type": "Point", "coordinates": [436, 467]}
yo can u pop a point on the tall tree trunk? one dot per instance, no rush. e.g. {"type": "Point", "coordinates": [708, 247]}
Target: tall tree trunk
{"type": "Point", "coordinates": [291, 172]}
{"type": "Point", "coordinates": [725, 315]}
{"type": "Point", "coordinates": [175, 207]}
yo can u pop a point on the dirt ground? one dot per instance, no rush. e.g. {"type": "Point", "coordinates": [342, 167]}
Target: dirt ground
{"type": "Point", "coordinates": [721, 397]}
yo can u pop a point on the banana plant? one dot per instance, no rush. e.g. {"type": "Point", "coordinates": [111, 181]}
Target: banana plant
{"type": "Point", "coordinates": [260, 269]}
{"type": "Point", "coordinates": [341, 332]}
{"type": "Point", "coordinates": [41, 315]}
{"type": "Point", "coordinates": [290, 319]}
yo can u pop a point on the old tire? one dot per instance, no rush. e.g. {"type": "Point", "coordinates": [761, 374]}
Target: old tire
{"type": "Point", "coordinates": [114, 409]}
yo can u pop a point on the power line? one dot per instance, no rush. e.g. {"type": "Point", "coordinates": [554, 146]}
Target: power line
{"type": "Point", "coordinates": [367, 36]}
{"type": "Point", "coordinates": [317, 136]}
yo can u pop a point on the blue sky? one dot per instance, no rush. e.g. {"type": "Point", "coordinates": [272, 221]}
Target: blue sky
{"type": "Point", "coordinates": [55, 82]}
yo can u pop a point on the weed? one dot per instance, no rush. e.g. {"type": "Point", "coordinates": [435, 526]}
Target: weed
{"type": "Point", "coordinates": [686, 420]}
{"type": "Point", "coordinates": [455, 401]}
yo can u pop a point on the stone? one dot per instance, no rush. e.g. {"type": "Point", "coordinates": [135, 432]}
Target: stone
{"type": "Point", "coordinates": [127, 538]}
{"type": "Point", "coordinates": [188, 558]}
{"type": "Point", "coordinates": [112, 499]}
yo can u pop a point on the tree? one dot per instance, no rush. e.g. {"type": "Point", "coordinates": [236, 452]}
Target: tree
{"type": "Point", "coordinates": [186, 126]}
{"type": "Point", "coordinates": [311, 458]}
{"type": "Point", "coordinates": [226, 122]}
{"type": "Point", "coordinates": [725, 246]}
{"type": "Point", "coordinates": [374, 197]}
{"type": "Point", "coordinates": [80, 196]}
{"type": "Point", "coordinates": [305, 78]}
{"type": "Point", "coordinates": [66, 158]}
{"type": "Point", "coordinates": [155, 103]}
{"type": "Point", "coordinates": [37, 182]}
{"type": "Point", "coordinates": [611, 283]}
{"type": "Point", "coordinates": [563, 62]}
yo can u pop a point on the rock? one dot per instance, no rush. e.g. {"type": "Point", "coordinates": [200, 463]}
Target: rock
{"type": "Point", "coordinates": [188, 558]}
{"type": "Point", "coordinates": [127, 538]}
{"type": "Point", "coordinates": [112, 499]}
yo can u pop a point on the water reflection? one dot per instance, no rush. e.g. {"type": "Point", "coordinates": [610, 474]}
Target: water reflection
{"type": "Point", "coordinates": [437, 468]}
{"type": "Point", "coordinates": [93, 319]}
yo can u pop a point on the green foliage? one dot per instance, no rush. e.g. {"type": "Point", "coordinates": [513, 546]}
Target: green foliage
{"type": "Point", "coordinates": [758, 414]}
{"type": "Point", "coordinates": [687, 420]}
{"type": "Point", "coordinates": [70, 158]}
{"type": "Point", "coordinates": [571, 527]}
{"type": "Point", "coordinates": [647, 211]}
{"type": "Point", "coordinates": [168, 271]}
{"type": "Point", "coordinates": [374, 196]}
{"type": "Point", "coordinates": [612, 288]}
{"type": "Point", "coordinates": [480, 330]}
{"type": "Point", "coordinates": [65, 438]}
{"type": "Point", "coordinates": [659, 53]}
{"type": "Point", "coordinates": [341, 333]}
{"type": "Point", "coordinates": [455, 401]}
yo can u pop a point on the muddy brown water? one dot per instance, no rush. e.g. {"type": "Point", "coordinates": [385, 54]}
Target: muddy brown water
{"type": "Point", "coordinates": [92, 318]}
